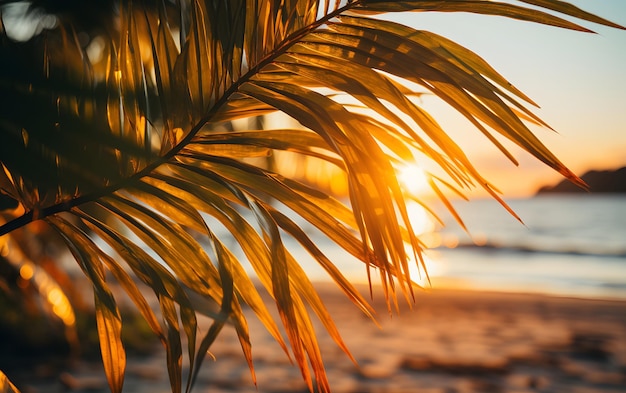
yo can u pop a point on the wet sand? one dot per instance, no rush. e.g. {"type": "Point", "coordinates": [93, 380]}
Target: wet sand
{"type": "Point", "coordinates": [451, 341]}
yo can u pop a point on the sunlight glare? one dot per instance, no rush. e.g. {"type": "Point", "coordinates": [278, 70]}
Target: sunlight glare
{"type": "Point", "coordinates": [421, 223]}
{"type": "Point", "coordinates": [434, 268]}
{"type": "Point", "coordinates": [413, 179]}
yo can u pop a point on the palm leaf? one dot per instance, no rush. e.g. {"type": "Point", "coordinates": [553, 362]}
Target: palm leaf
{"type": "Point", "coordinates": [5, 385]}
{"type": "Point", "coordinates": [140, 147]}
{"type": "Point", "coordinates": [107, 314]}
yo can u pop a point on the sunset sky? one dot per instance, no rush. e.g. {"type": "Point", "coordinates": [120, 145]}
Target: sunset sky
{"type": "Point", "coordinates": [578, 79]}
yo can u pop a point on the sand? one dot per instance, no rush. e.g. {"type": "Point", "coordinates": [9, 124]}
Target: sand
{"type": "Point", "coordinates": [451, 341]}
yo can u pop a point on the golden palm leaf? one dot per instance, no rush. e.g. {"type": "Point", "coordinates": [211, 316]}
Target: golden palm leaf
{"type": "Point", "coordinates": [131, 145]}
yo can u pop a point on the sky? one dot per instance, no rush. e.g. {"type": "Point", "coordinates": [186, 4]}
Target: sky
{"type": "Point", "coordinates": [577, 79]}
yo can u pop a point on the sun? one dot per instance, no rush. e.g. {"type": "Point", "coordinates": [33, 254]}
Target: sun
{"type": "Point", "coordinates": [413, 179]}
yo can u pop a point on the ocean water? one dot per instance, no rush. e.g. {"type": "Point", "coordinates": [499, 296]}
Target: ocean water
{"type": "Point", "coordinates": [568, 245]}
{"type": "Point", "coordinates": [571, 245]}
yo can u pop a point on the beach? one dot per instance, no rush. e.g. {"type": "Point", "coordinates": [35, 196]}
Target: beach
{"type": "Point", "coordinates": [449, 341]}
{"type": "Point", "coordinates": [542, 309]}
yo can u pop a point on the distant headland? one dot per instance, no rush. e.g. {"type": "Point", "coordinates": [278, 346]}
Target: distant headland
{"type": "Point", "coordinates": [609, 181]}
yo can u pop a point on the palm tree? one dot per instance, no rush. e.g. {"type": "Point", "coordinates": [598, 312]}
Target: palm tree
{"type": "Point", "coordinates": [117, 133]}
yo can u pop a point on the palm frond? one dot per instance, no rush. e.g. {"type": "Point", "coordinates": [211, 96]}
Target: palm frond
{"type": "Point", "coordinates": [137, 146]}
{"type": "Point", "coordinates": [6, 385]}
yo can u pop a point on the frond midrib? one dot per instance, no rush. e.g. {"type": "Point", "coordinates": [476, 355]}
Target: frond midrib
{"type": "Point", "coordinates": [37, 214]}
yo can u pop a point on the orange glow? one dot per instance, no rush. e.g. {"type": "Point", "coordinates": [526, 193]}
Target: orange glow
{"type": "Point", "coordinates": [480, 239]}
{"type": "Point", "coordinates": [451, 241]}
{"type": "Point", "coordinates": [312, 171]}
{"type": "Point", "coordinates": [59, 302]}
{"type": "Point", "coordinates": [55, 296]}
{"type": "Point", "coordinates": [26, 272]}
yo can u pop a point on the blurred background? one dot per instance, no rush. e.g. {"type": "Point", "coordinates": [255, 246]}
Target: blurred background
{"type": "Point", "coordinates": [569, 243]}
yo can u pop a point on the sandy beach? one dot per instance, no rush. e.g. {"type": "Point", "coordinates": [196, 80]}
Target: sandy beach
{"type": "Point", "coordinates": [450, 341]}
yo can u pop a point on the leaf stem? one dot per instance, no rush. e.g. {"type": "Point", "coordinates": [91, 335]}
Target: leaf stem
{"type": "Point", "coordinates": [37, 214]}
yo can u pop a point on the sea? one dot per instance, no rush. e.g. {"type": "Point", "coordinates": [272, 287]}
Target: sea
{"type": "Point", "coordinates": [571, 245]}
